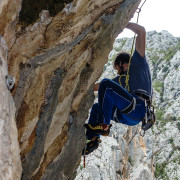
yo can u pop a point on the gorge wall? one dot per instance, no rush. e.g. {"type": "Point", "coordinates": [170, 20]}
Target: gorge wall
{"type": "Point", "coordinates": [56, 51]}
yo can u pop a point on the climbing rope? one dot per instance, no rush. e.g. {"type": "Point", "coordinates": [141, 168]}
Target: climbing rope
{"type": "Point", "coordinates": [127, 75]}
{"type": "Point", "coordinates": [84, 155]}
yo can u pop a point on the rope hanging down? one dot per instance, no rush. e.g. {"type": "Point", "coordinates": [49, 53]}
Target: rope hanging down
{"type": "Point", "coordinates": [127, 75]}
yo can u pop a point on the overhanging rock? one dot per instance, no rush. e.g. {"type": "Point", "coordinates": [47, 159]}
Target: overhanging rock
{"type": "Point", "coordinates": [56, 58]}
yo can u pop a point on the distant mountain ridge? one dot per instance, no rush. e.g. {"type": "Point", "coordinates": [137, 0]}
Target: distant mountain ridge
{"type": "Point", "coordinates": [158, 154]}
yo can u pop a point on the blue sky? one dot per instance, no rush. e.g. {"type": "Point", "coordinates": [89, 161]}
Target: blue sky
{"type": "Point", "coordinates": [159, 15]}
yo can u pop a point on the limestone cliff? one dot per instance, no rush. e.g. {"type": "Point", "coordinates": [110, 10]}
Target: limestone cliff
{"type": "Point", "coordinates": [56, 51]}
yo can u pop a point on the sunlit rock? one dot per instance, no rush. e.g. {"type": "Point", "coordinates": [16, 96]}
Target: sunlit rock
{"type": "Point", "coordinates": [56, 52]}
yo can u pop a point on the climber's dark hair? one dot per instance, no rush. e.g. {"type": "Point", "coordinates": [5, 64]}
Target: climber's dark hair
{"type": "Point", "coordinates": [122, 57]}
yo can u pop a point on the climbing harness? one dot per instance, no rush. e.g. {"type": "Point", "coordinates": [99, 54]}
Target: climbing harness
{"type": "Point", "coordinates": [150, 117]}
{"type": "Point", "coordinates": [127, 75]}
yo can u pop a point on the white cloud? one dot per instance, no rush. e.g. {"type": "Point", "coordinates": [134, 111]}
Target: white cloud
{"type": "Point", "coordinates": [159, 15]}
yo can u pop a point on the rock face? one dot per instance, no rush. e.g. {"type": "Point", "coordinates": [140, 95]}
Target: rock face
{"type": "Point", "coordinates": [125, 154]}
{"type": "Point", "coordinates": [10, 163]}
{"type": "Point", "coordinates": [56, 51]}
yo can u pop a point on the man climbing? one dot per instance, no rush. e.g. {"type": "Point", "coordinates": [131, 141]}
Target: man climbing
{"type": "Point", "coordinates": [124, 103]}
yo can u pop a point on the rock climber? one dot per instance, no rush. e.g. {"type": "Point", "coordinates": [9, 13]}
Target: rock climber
{"type": "Point", "coordinates": [117, 103]}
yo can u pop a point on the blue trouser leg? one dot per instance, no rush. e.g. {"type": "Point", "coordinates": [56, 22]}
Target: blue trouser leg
{"type": "Point", "coordinates": [111, 94]}
{"type": "Point", "coordinates": [96, 118]}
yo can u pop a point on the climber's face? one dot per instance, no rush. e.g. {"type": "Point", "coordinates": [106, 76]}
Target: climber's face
{"type": "Point", "coordinates": [122, 68]}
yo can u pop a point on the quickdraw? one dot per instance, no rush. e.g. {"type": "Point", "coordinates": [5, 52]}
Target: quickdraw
{"type": "Point", "coordinates": [150, 117]}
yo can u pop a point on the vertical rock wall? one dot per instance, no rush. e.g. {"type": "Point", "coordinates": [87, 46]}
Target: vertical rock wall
{"type": "Point", "coordinates": [55, 59]}
{"type": "Point", "coordinates": [10, 163]}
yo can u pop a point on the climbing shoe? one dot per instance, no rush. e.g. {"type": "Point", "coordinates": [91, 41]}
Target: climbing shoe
{"type": "Point", "coordinates": [98, 129]}
{"type": "Point", "coordinates": [91, 146]}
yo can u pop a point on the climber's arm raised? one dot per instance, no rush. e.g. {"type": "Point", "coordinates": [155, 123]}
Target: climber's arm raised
{"type": "Point", "coordinates": [141, 37]}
